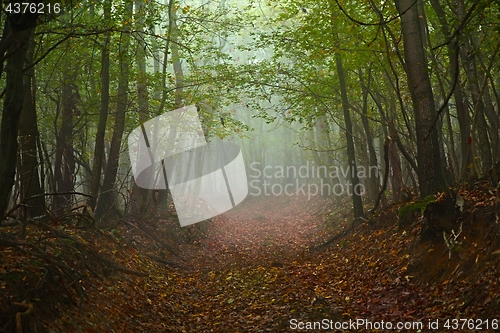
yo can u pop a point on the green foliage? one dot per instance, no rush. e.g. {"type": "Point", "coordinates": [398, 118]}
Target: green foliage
{"type": "Point", "coordinates": [419, 206]}
{"type": "Point", "coordinates": [274, 60]}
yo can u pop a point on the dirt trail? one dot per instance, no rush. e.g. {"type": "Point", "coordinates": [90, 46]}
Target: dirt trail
{"type": "Point", "coordinates": [268, 230]}
{"type": "Point", "coordinates": [248, 275]}
{"type": "Point", "coordinates": [251, 272]}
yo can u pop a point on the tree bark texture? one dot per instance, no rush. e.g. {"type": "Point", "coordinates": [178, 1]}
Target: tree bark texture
{"type": "Point", "coordinates": [14, 44]}
{"type": "Point", "coordinates": [103, 116]}
{"type": "Point", "coordinates": [428, 153]}
{"type": "Point", "coordinates": [31, 189]}
{"type": "Point", "coordinates": [351, 154]}
{"type": "Point", "coordinates": [107, 201]}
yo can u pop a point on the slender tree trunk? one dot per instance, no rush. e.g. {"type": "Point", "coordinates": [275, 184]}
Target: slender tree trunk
{"type": "Point", "coordinates": [172, 42]}
{"type": "Point", "coordinates": [361, 152]}
{"type": "Point", "coordinates": [64, 163]}
{"type": "Point", "coordinates": [479, 107]}
{"type": "Point", "coordinates": [324, 143]}
{"type": "Point", "coordinates": [140, 196]}
{"type": "Point", "coordinates": [31, 189]}
{"type": "Point", "coordinates": [373, 179]}
{"type": "Point", "coordinates": [164, 93]}
{"type": "Point", "coordinates": [312, 146]}
{"type": "Point", "coordinates": [395, 172]}
{"type": "Point", "coordinates": [484, 73]}
{"type": "Point", "coordinates": [468, 60]}
{"type": "Point", "coordinates": [448, 161]}
{"type": "Point", "coordinates": [351, 155]}
{"type": "Point", "coordinates": [462, 113]}
{"type": "Point", "coordinates": [451, 148]}
{"type": "Point", "coordinates": [107, 201]}
{"type": "Point", "coordinates": [103, 115]}
{"type": "Point", "coordinates": [176, 60]}
{"type": "Point", "coordinates": [428, 153]}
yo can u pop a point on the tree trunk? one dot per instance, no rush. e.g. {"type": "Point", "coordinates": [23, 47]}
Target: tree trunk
{"type": "Point", "coordinates": [484, 72]}
{"type": "Point", "coordinates": [176, 60]}
{"type": "Point", "coordinates": [324, 144]}
{"type": "Point", "coordinates": [179, 78]}
{"type": "Point", "coordinates": [373, 179]}
{"type": "Point", "coordinates": [107, 201]}
{"type": "Point", "coordinates": [15, 41]}
{"type": "Point", "coordinates": [395, 172]}
{"type": "Point", "coordinates": [462, 112]}
{"type": "Point", "coordinates": [428, 153]}
{"type": "Point", "coordinates": [64, 163]}
{"type": "Point", "coordinates": [140, 196]}
{"type": "Point", "coordinates": [31, 189]}
{"type": "Point", "coordinates": [103, 115]}
{"type": "Point", "coordinates": [169, 4]}
{"type": "Point", "coordinates": [469, 62]}
{"type": "Point", "coordinates": [351, 155]}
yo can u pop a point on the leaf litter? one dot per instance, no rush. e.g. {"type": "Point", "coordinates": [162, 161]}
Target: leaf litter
{"type": "Point", "coordinates": [253, 269]}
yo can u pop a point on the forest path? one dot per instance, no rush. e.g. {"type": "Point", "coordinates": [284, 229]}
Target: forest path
{"type": "Point", "coordinates": [263, 231]}
{"type": "Point", "coordinates": [252, 272]}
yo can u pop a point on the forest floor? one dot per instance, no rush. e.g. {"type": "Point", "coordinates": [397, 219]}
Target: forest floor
{"type": "Point", "coordinates": [258, 268]}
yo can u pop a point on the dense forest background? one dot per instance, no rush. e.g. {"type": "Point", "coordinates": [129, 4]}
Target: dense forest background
{"type": "Point", "coordinates": [408, 88]}
{"type": "Point", "coordinates": [417, 77]}
{"type": "Point", "coordinates": [348, 78]}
